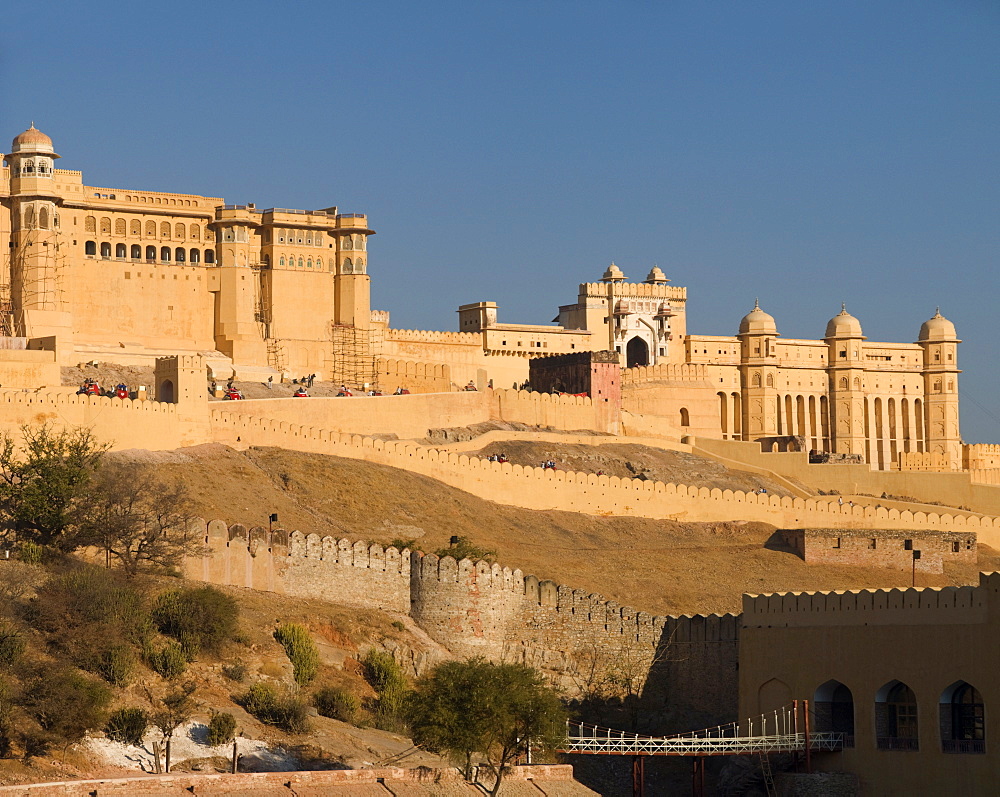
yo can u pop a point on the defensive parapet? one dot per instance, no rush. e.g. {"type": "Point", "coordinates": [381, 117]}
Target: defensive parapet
{"type": "Point", "coordinates": [665, 372]}
{"type": "Point", "coordinates": [639, 290]}
{"type": "Point", "coordinates": [432, 336]}
{"type": "Point", "coordinates": [914, 606]}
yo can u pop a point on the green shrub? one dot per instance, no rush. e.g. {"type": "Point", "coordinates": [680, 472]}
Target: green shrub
{"type": "Point", "coordinates": [30, 553]}
{"type": "Point", "coordinates": [237, 671]}
{"type": "Point", "coordinates": [168, 661]}
{"type": "Point", "coordinates": [117, 664]}
{"type": "Point", "coordinates": [301, 651]}
{"type": "Point", "coordinates": [11, 645]}
{"type": "Point", "coordinates": [399, 625]}
{"type": "Point", "coordinates": [466, 549]}
{"type": "Point", "coordinates": [386, 677]}
{"type": "Point", "coordinates": [400, 544]}
{"type": "Point", "coordinates": [337, 703]}
{"type": "Point", "coordinates": [221, 729]}
{"type": "Point", "coordinates": [127, 725]}
{"type": "Point", "coordinates": [200, 618]}
{"type": "Point", "coordinates": [286, 711]}
{"type": "Point", "coordinates": [64, 702]}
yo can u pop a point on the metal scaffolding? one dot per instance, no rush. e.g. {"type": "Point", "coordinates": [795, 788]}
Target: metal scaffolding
{"type": "Point", "coordinates": [354, 354]}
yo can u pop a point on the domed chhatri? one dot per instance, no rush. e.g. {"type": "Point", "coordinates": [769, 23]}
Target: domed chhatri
{"type": "Point", "coordinates": [32, 140]}
{"type": "Point", "coordinates": [937, 328]}
{"type": "Point", "coordinates": [613, 274]}
{"type": "Point", "coordinates": [757, 322]}
{"type": "Point", "coordinates": [844, 325]}
{"type": "Point", "coordinates": [656, 276]}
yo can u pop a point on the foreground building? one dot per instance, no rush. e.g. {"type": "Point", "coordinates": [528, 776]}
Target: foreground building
{"type": "Point", "coordinates": [908, 676]}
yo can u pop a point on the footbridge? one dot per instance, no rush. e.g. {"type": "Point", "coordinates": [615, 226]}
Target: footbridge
{"type": "Point", "coordinates": [786, 730]}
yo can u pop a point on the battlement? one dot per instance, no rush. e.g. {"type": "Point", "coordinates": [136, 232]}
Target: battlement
{"type": "Point", "coordinates": [638, 290]}
{"type": "Point", "coordinates": [912, 606]}
{"type": "Point", "coordinates": [479, 572]}
{"type": "Point", "coordinates": [674, 372]}
{"type": "Point", "coordinates": [430, 336]}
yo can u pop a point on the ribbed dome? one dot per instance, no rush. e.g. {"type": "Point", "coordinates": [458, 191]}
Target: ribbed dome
{"type": "Point", "coordinates": [757, 322]}
{"type": "Point", "coordinates": [844, 325]}
{"type": "Point", "coordinates": [31, 140]}
{"type": "Point", "coordinates": [937, 328]}
{"type": "Point", "coordinates": [613, 274]}
{"type": "Point", "coordinates": [656, 276]}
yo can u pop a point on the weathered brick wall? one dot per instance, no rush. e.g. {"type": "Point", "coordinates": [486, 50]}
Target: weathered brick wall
{"type": "Point", "coordinates": [889, 548]}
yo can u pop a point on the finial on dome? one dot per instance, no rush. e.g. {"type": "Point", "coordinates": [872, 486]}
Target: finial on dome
{"type": "Point", "coordinates": [937, 311]}
{"type": "Point", "coordinates": [756, 303]}
{"type": "Point", "coordinates": [843, 307]}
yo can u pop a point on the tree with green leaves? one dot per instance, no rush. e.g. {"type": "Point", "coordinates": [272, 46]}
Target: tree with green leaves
{"type": "Point", "coordinates": [42, 480]}
{"type": "Point", "coordinates": [465, 707]}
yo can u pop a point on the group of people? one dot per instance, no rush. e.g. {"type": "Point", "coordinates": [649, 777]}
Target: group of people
{"type": "Point", "coordinates": [549, 464]}
{"type": "Point", "coordinates": [305, 380]}
{"type": "Point", "coordinates": [498, 458]}
{"type": "Point", "coordinates": [91, 387]}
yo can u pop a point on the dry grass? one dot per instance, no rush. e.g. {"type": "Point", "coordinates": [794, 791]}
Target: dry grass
{"type": "Point", "coordinates": [655, 566]}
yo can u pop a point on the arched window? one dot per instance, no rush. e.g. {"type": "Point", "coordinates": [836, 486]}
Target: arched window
{"type": "Point", "coordinates": [136, 252]}
{"type": "Point", "coordinates": [347, 243]}
{"type": "Point", "coordinates": [281, 261]}
{"type": "Point", "coordinates": [301, 263]}
{"type": "Point", "coordinates": [361, 243]}
{"type": "Point", "coordinates": [842, 384]}
{"type": "Point", "coordinates": [105, 225]}
{"type": "Point", "coordinates": [309, 263]}
{"type": "Point", "coordinates": [29, 167]}
{"type": "Point", "coordinates": [195, 232]}
{"type": "Point", "coordinates": [963, 719]}
{"type": "Point", "coordinates": [105, 249]}
{"type": "Point", "coordinates": [755, 381]}
{"type": "Point", "coordinates": [164, 229]}
{"type": "Point", "coordinates": [685, 417]}
{"type": "Point", "coordinates": [179, 231]}
{"type": "Point", "coordinates": [770, 380]}
{"type": "Point", "coordinates": [359, 266]}
{"type": "Point", "coordinates": [209, 256]}
{"type": "Point", "coordinates": [135, 227]}
{"type": "Point", "coordinates": [90, 248]}
{"type": "Point", "coordinates": [55, 220]}
{"type": "Point", "coordinates": [179, 254]}
{"type": "Point", "coordinates": [120, 225]}
{"type": "Point", "coordinates": [857, 383]}
{"type": "Point", "coordinates": [120, 251]}
{"type": "Point", "coordinates": [834, 707]}
{"type": "Point", "coordinates": [150, 229]}
{"type": "Point", "coordinates": [195, 256]}
{"type": "Point", "coordinates": [165, 254]}
{"type": "Point", "coordinates": [151, 253]}
{"type": "Point", "coordinates": [348, 266]}
{"type": "Point", "coordinates": [43, 218]}
{"type": "Point", "coordinates": [319, 262]}
{"type": "Point", "coordinates": [896, 717]}
{"type": "Point", "coordinates": [90, 224]}
{"type": "Point", "coordinates": [29, 217]}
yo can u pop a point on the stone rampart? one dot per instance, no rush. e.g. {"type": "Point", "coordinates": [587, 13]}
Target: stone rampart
{"type": "Point", "coordinates": [536, 488]}
{"type": "Point", "coordinates": [431, 336]}
{"type": "Point", "coordinates": [417, 377]}
{"type": "Point", "coordinates": [923, 460]}
{"type": "Point", "coordinates": [981, 456]}
{"type": "Point", "coordinates": [480, 608]}
{"type": "Point", "coordinates": [639, 290]}
{"type": "Point", "coordinates": [924, 606]}
{"type": "Point", "coordinates": [891, 548]}
{"type": "Point", "coordinates": [667, 372]}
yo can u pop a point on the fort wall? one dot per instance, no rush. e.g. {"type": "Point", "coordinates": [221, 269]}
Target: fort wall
{"type": "Point", "coordinates": [890, 548]}
{"type": "Point", "coordinates": [417, 377]}
{"type": "Point", "coordinates": [482, 609]}
{"type": "Point", "coordinates": [535, 488]}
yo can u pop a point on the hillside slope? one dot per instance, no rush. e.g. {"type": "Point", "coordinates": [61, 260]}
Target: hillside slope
{"type": "Point", "coordinates": [661, 567]}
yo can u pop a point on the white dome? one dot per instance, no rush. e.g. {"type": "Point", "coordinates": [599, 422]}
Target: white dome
{"type": "Point", "coordinates": [844, 325]}
{"type": "Point", "coordinates": [937, 328]}
{"type": "Point", "coordinates": [757, 322]}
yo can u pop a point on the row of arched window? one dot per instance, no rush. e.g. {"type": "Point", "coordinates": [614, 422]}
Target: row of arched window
{"type": "Point", "coordinates": [29, 167]}
{"type": "Point", "coordinates": [155, 200]}
{"type": "Point", "coordinates": [41, 222]}
{"type": "Point", "coordinates": [135, 227]}
{"type": "Point", "coordinates": [961, 716]}
{"type": "Point", "coordinates": [150, 254]}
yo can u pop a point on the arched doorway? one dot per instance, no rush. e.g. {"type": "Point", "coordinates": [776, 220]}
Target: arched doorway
{"type": "Point", "coordinates": [963, 719]}
{"type": "Point", "coordinates": [834, 707]}
{"type": "Point", "coordinates": [636, 353]}
{"type": "Point", "coordinates": [166, 392]}
{"type": "Point", "coordinates": [896, 717]}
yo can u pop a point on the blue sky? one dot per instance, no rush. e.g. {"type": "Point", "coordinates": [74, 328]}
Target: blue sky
{"type": "Point", "coordinates": [807, 153]}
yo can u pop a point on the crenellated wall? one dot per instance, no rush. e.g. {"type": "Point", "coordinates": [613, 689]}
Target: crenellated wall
{"type": "Point", "coordinates": [417, 377]}
{"type": "Point", "coordinates": [480, 608]}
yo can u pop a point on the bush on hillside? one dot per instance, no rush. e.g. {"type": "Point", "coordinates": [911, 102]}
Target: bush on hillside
{"type": "Point", "coordinates": [168, 662]}
{"type": "Point", "coordinates": [117, 664]}
{"type": "Point", "coordinates": [199, 618]}
{"type": "Point", "coordinates": [337, 703]}
{"type": "Point", "coordinates": [11, 645]}
{"type": "Point", "coordinates": [221, 729]}
{"type": "Point", "coordinates": [464, 548]}
{"type": "Point", "coordinates": [301, 651]}
{"type": "Point", "coordinates": [127, 725]}
{"type": "Point", "coordinates": [283, 710]}
{"type": "Point", "coordinates": [64, 702]}
{"type": "Point", "coordinates": [386, 677]}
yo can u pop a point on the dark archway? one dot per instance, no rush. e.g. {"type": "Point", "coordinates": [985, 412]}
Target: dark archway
{"type": "Point", "coordinates": [834, 707]}
{"type": "Point", "coordinates": [963, 719]}
{"type": "Point", "coordinates": [896, 717]}
{"type": "Point", "coordinates": [636, 353]}
{"type": "Point", "coordinates": [166, 392]}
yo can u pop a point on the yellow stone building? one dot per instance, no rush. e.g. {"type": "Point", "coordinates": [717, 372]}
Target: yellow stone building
{"type": "Point", "coordinates": [126, 274]}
